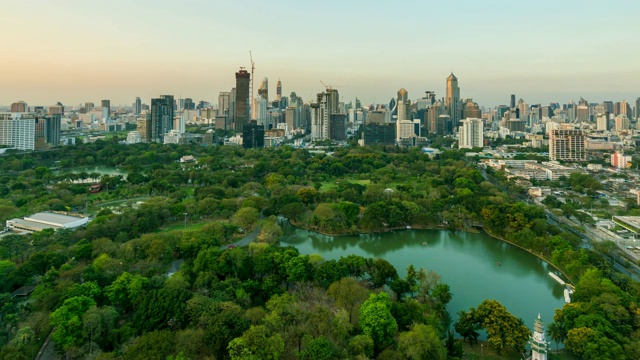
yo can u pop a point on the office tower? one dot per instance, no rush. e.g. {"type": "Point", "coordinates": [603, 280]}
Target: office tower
{"type": "Point", "coordinates": [189, 104]}
{"type": "Point", "coordinates": [431, 115]}
{"type": "Point", "coordinates": [18, 130]}
{"type": "Point", "coordinates": [512, 104]}
{"type": "Point", "coordinates": [471, 134]}
{"type": "Point", "coordinates": [19, 106]}
{"type": "Point", "coordinates": [263, 90]}
{"type": "Point", "coordinates": [452, 101]}
{"type": "Point", "coordinates": [106, 104]}
{"type": "Point", "coordinates": [515, 125]}
{"type": "Point", "coordinates": [224, 100]}
{"type": "Point", "coordinates": [88, 106]}
{"type": "Point", "coordinates": [471, 110]}
{"type": "Point", "coordinates": [47, 131]}
{"type": "Point", "coordinates": [161, 117]}
{"type": "Point", "coordinates": [278, 91]}
{"type": "Point", "coordinates": [137, 106]}
{"type": "Point", "coordinates": [358, 104]}
{"type": "Point", "coordinates": [403, 104]}
{"type": "Point", "coordinates": [637, 113]}
{"type": "Point", "coordinates": [625, 109]}
{"type": "Point", "coordinates": [567, 145]}
{"type": "Point", "coordinates": [338, 127]}
{"type": "Point", "coordinates": [379, 134]}
{"type": "Point", "coordinates": [582, 113]}
{"type": "Point", "coordinates": [443, 125]}
{"type": "Point", "coordinates": [523, 109]}
{"type": "Point", "coordinates": [242, 99]}
{"type": "Point", "coordinates": [144, 127]}
{"type": "Point", "coordinates": [252, 135]}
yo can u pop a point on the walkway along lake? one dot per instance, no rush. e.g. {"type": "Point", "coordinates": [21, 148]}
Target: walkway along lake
{"type": "Point", "coordinates": [476, 266]}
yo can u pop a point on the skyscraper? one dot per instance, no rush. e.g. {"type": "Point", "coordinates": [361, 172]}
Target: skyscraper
{"type": "Point", "coordinates": [224, 102]}
{"type": "Point", "coordinates": [278, 90]}
{"type": "Point", "coordinates": [452, 101]}
{"type": "Point", "coordinates": [106, 104]}
{"type": "Point", "coordinates": [263, 89]}
{"type": "Point", "coordinates": [252, 135]}
{"type": "Point", "coordinates": [471, 134]}
{"type": "Point", "coordinates": [512, 104]}
{"type": "Point", "coordinates": [19, 106]}
{"type": "Point", "coordinates": [189, 104]}
{"type": "Point", "coordinates": [18, 130]}
{"type": "Point", "coordinates": [403, 100]}
{"type": "Point", "coordinates": [637, 113]}
{"type": "Point", "coordinates": [161, 117]}
{"type": "Point", "coordinates": [137, 106]}
{"type": "Point", "coordinates": [243, 79]}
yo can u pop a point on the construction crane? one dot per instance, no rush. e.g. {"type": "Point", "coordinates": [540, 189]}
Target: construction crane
{"type": "Point", "coordinates": [330, 87]}
{"type": "Point", "coordinates": [252, 99]}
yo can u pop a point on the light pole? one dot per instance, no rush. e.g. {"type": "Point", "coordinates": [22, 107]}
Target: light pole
{"type": "Point", "coordinates": [185, 220]}
{"type": "Point", "coordinates": [482, 350]}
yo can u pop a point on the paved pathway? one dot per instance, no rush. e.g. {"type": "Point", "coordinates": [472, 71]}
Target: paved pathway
{"type": "Point", "coordinates": [245, 240]}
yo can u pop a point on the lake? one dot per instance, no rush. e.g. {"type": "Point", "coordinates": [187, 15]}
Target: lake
{"type": "Point", "coordinates": [476, 266]}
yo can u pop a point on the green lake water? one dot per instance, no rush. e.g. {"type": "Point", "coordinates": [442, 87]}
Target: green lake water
{"type": "Point", "coordinates": [476, 266]}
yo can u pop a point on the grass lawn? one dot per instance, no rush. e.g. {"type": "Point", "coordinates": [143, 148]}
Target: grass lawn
{"type": "Point", "coordinates": [179, 225]}
{"type": "Point", "coordinates": [476, 352]}
{"type": "Point", "coordinates": [326, 185]}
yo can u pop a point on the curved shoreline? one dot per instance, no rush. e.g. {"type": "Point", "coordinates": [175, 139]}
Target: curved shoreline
{"type": "Point", "coordinates": [570, 281]}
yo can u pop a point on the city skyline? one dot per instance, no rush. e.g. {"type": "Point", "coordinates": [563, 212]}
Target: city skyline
{"type": "Point", "coordinates": [542, 52]}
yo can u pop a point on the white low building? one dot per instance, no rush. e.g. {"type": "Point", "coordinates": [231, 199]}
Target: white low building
{"type": "Point", "coordinates": [47, 220]}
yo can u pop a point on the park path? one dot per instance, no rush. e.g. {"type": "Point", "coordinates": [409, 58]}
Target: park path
{"type": "Point", "coordinates": [245, 240]}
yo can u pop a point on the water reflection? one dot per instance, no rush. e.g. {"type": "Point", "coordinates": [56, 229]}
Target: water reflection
{"type": "Point", "coordinates": [476, 266]}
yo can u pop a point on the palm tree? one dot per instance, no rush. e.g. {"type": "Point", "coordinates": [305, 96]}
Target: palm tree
{"type": "Point", "coordinates": [554, 330]}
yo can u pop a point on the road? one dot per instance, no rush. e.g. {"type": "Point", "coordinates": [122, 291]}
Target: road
{"type": "Point", "coordinates": [245, 240]}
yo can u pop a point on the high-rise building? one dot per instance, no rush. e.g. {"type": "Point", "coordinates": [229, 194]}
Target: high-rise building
{"type": "Point", "coordinates": [602, 122]}
{"type": "Point", "coordinates": [88, 106]}
{"type": "Point", "coordinates": [47, 131]}
{"type": "Point", "coordinates": [567, 145]}
{"type": "Point", "coordinates": [471, 134]}
{"type": "Point", "coordinates": [582, 113]}
{"type": "Point", "coordinates": [161, 117]}
{"type": "Point", "coordinates": [637, 109]}
{"type": "Point", "coordinates": [252, 135]}
{"type": "Point", "coordinates": [443, 125]}
{"type": "Point", "coordinates": [471, 110]}
{"type": "Point", "coordinates": [18, 130]}
{"type": "Point", "coordinates": [512, 103]}
{"type": "Point", "coordinates": [452, 101]}
{"type": "Point", "coordinates": [243, 78]}
{"type": "Point", "coordinates": [224, 103]}
{"type": "Point", "coordinates": [263, 90]}
{"type": "Point", "coordinates": [56, 110]}
{"type": "Point", "coordinates": [379, 134]}
{"type": "Point", "coordinates": [144, 127]}
{"type": "Point", "coordinates": [403, 104]}
{"type": "Point", "coordinates": [338, 127]}
{"type": "Point", "coordinates": [622, 122]}
{"type": "Point", "coordinates": [106, 104]}
{"type": "Point", "coordinates": [137, 106]}
{"type": "Point", "coordinates": [19, 106]}
{"type": "Point", "coordinates": [278, 90]}
{"type": "Point", "coordinates": [189, 104]}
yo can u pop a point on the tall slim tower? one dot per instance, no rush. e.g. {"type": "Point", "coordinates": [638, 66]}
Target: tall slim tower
{"type": "Point", "coordinates": [263, 89]}
{"type": "Point", "coordinates": [137, 108]}
{"type": "Point", "coordinates": [403, 97]}
{"type": "Point", "coordinates": [539, 344]}
{"type": "Point", "coordinates": [278, 91]}
{"type": "Point", "coordinates": [107, 104]}
{"type": "Point", "coordinates": [243, 79]}
{"type": "Point", "coordinates": [452, 101]}
{"type": "Point", "coordinates": [161, 117]}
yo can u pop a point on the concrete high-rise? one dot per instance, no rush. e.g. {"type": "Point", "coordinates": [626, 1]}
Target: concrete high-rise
{"type": "Point", "coordinates": [637, 109]}
{"type": "Point", "coordinates": [137, 106]}
{"type": "Point", "coordinates": [189, 104]}
{"type": "Point", "coordinates": [567, 145]}
{"type": "Point", "coordinates": [18, 130]}
{"type": "Point", "coordinates": [471, 134]}
{"type": "Point", "coordinates": [19, 106]}
{"type": "Point", "coordinates": [161, 117]}
{"type": "Point", "coordinates": [263, 90]}
{"type": "Point", "coordinates": [224, 103]}
{"type": "Point", "coordinates": [144, 127]}
{"type": "Point", "coordinates": [242, 99]}
{"type": "Point", "coordinates": [403, 104]}
{"type": "Point", "coordinates": [106, 104]}
{"type": "Point", "coordinates": [452, 101]}
{"type": "Point", "coordinates": [512, 103]}
{"type": "Point", "coordinates": [278, 90]}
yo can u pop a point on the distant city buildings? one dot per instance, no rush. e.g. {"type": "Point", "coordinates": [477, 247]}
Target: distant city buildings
{"type": "Point", "coordinates": [471, 134]}
{"type": "Point", "coordinates": [567, 145]}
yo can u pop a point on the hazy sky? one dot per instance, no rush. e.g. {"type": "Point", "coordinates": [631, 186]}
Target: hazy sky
{"type": "Point", "coordinates": [75, 51]}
